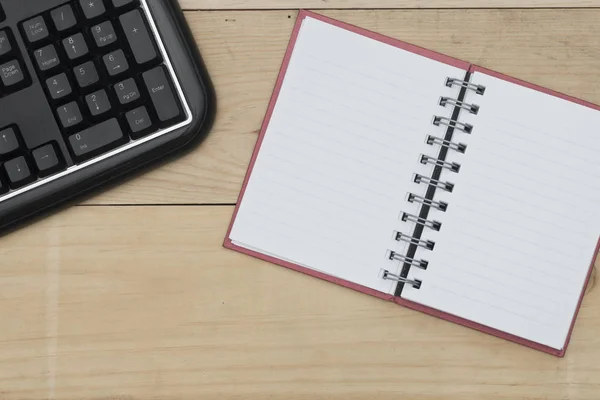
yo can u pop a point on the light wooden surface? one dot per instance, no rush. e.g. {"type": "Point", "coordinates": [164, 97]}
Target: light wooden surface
{"type": "Point", "coordinates": [118, 300]}
{"type": "Point", "coordinates": [363, 4]}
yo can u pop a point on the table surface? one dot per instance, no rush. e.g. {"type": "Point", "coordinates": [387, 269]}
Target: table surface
{"type": "Point", "coordinates": [130, 295]}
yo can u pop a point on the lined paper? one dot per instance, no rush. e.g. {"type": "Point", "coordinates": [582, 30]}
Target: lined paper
{"type": "Point", "coordinates": [338, 156]}
{"type": "Point", "coordinates": [523, 222]}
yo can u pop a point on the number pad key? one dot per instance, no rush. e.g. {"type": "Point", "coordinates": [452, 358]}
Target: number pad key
{"type": "Point", "coordinates": [75, 46]}
{"type": "Point", "coordinates": [98, 103]}
{"type": "Point", "coordinates": [86, 74]}
{"type": "Point", "coordinates": [69, 115]}
{"type": "Point", "coordinates": [63, 18]}
{"type": "Point", "coordinates": [92, 8]}
{"type": "Point", "coordinates": [127, 91]}
{"type": "Point", "coordinates": [58, 86]}
{"type": "Point", "coordinates": [47, 58]}
{"type": "Point", "coordinates": [18, 172]}
{"type": "Point", "coordinates": [104, 34]}
{"type": "Point", "coordinates": [115, 62]}
{"type": "Point", "coordinates": [35, 29]}
{"type": "Point", "coordinates": [139, 121]}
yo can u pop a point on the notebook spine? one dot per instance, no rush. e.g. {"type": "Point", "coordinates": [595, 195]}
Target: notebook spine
{"type": "Point", "coordinates": [433, 182]}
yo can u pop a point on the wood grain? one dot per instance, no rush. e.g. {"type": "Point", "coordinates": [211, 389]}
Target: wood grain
{"type": "Point", "coordinates": [243, 50]}
{"type": "Point", "coordinates": [110, 303]}
{"type": "Point", "coordinates": [371, 4]}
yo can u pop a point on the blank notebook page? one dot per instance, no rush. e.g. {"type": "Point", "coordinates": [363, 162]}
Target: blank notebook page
{"type": "Point", "coordinates": [339, 152]}
{"type": "Point", "coordinates": [523, 220]}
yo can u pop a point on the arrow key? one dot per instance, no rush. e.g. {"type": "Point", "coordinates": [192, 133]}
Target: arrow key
{"type": "Point", "coordinates": [18, 172]}
{"type": "Point", "coordinates": [97, 102]}
{"type": "Point", "coordinates": [46, 160]}
{"type": "Point", "coordinates": [8, 141]}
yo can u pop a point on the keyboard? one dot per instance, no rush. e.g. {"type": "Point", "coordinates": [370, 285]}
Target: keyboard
{"type": "Point", "coordinates": [91, 90]}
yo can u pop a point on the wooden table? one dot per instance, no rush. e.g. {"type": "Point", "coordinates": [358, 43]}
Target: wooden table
{"type": "Point", "coordinates": [131, 296]}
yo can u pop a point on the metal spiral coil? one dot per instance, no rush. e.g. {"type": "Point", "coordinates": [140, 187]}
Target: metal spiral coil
{"type": "Point", "coordinates": [426, 244]}
{"type": "Point", "coordinates": [416, 263]}
{"type": "Point", "coordinates": [459, 147]}
{"type": "Point", "coordinates": [435, 225]}
{"type": "Point", "coordinates": [472, 108]}
{"type": "Point", "coordinates": [447, 186]}
{"type": "Point", "coordinates": [452, 123]}
{"type": "Point", "coordinates": [479, 89]}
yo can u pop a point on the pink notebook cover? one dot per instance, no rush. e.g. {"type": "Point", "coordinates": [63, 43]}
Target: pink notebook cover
{"type": "Point", "coordinates": [415, 306]}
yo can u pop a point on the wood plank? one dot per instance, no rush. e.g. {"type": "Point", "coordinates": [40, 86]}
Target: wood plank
{"type": "Point", "coordinates": [243, 51]}
{"type": "Point", "coordinates": [144, 303]}
{"type": "Point", "coordinates": [373, 4]}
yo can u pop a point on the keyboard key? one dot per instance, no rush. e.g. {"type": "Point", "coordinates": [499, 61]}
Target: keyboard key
{"type": "Point", "coordinates": [86, 142]}
{"type": "Point", "coordinates": [63, 18]}
{"type": "Point", "coordinates": [75, 46]}
{"type": "Point", "coordinates": [121, 3]}
{"type": "Point", "coordinates": [86, 74]}
{"type": "Point", "coordinates": [97, 102]}
{"type": "Point", "coordinates": [46, 160]}
{"type": "Point", "coordinates": [127, 91]}
{"type": "Point", "coordinates": [115, 62]}
{"type": "Point", "coordinates": [69, 115]}
{"type": "Point", "coordinates": [35, 29]}
{"type": "Point", "coordinates": [161, 94]}
{"type": "Point", "coordinates": [47, 58]}
{"type": "Point", "coordinates": [138, 37]}
{"type": "Point", "coordinates": [18, 172]}
{"type": "Point", "coordinates": [5, 46]}
{"type": "Point", "coordinates": [11, 73]}
{"type": "Point", "coordinates": [138, 120]}
{"type": "Point", "coordinates": [58, 86]}
{"type": "Point", "coordinates": [92, 8]}
{"type": "Point", "coordinates": [104, 34]}
{"type": "Point", "coordinates": [8, 141]}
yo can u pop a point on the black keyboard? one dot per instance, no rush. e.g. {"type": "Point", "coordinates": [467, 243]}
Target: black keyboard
{"type": "Point", "coordinates": [91, 90]}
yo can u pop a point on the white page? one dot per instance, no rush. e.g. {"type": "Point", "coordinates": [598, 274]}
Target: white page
{"type": "Point", "coordinates": [523, 220]}
{"type": "Point", "coordinates": [339, 153]}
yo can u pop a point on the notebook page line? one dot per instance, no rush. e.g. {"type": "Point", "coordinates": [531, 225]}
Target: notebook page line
{"type": "Point", "coordinates": [375, 78]}
{"type": "Point", "coordinates": [555, 289]}
{"type": "Point", "coordinates": [489, 290]}
{"type": "Point", "coordinates": [287, 160]}
{"type": "Point", "coordinates": [514, 261]}
{"type": "Point", "coordinates": [299, 123]}
{"type": "Point", "coordinates": [508, 249]}
{"type": "Point", "coordinates": [302, 118]}
{"type": "Point", "coordinates": [510, 210]}
{"type": "Point", "coordinates": [317, 154]}
{"type": "Point", "coordinates": [335, 103]}
{"type": "Point", "coordinates": [466, 211]}
{"type": "Point", "coordinates": [565, 128]}
{"type": "Point", "coordinates": [511, 311]}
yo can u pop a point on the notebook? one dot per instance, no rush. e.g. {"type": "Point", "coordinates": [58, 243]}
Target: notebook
{"type": "Point", "coordinates": [427, 181]}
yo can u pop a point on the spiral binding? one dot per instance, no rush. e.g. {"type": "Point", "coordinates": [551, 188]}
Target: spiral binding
{"type": "Point", "coordinates": [416, 263]}
{"type": "Point", "coordinates": [447, 186]}
{"type": "Point", "coordinates": [432, 182]}
{"type": "Point", "coordinates": [452, 166]}
{"type": "Point", "coordinates": [479, 89]}
{"type": "Point", "coordinates": [426, 244]}
{"type": "Point", "coordinates": [472, 108]}
{"type": "Point", "coordinates": [437, 121]}
{"type": "Point", "coordinates": [435, 225]}
{"type": "Point", "coordinates": [460, 147]}
{"type": "Point", "coordinates": [440, 205]}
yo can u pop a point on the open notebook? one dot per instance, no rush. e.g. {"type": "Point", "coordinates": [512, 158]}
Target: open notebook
{"type": "Point", "coordinates": [428, 181]}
